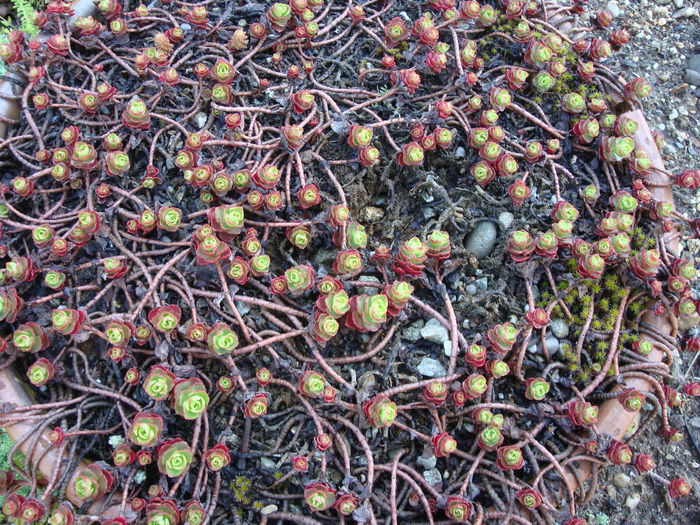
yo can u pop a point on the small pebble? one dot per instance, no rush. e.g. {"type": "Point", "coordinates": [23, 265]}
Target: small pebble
{"type": "Point", "coordinates": [432, 476]}
{"type": "Point", "coordinates": [482, 239]}
{"type": "Point", "coordinates": [471, 289]}
{"type": "Point", "coordinates": [505, 219]}
{"type": "Point", "coordinates": [633, 500]}
{"type": "Point", "coordinates": [692, 77]}
{"type": "Point", "coordinates": [621, 480]}
{"type": "Point", "coordinates": [412, 331]}
{"type": "Point", "coordinates": [268, 509]}
{"type": "Point", "coordinates": [559, 328]}
{"type": "Point", "coordinates": [613, 8]}
{"type": "Point", "coordinates": [434, 332]}
{"type": "Point", "coordinates": [371, 214]}
{"type": "Point", "coordinates": [268, 464]}
{"type": "Point", "coordinates": [427, 463]}
{"type": "Point", "coordinates": [430, 367]}
{"type": "Point", "coordinates": [686, 12]}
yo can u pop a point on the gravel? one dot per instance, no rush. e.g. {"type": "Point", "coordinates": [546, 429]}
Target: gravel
{"type": "Point", "coordinates": [665, 50]}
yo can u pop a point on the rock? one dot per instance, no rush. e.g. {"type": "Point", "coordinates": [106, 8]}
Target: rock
{"type": "Point", "coordinates": [460, 152]}
{"type": "Point", "coordinates": [471, 289]}
{"type": "Point", "coordinates": [268, 509]}
{"type": "Point", "coordinates": [371, 214]}
{"type": "Point", "coordinates": [482, 239]}
{"type": "Point", "coordinates": [242, 308]}
{"type": "Point", "coordinates": [633, 500]}
{"type": "Point", "coordinates": [613, 8]}
{"type": "Point", "coordinates": [412, 331]}
{"type": "Point", "coordinates": [678, 3]}
{"type": "Point", "coordinates": [694, 63]}
{"type": "Point", "coordinates": [482, 283]}
{"type": "Point", "coordinates": [687, 322]}
{"type": "Point", "coordinates": [369, 290]}
{"type": "Point", "coordinates": [551, 342]}
{"type": "Point", "coordinates": [686, 12]}
{"type": "Point", "coordinates": [427, 463]}
{"type": "Point", "coordinates": [695, 422]}
{"type": "Point", "coordinates": [447, 348]}
{"type": "Point", "coordinates": [505, 219]}
{"type": "Point", "coordinates": [673, 115]}
{"type": "Point", "coordinates": [621, 480]}
{"type": "Point", "coordinates": [201, 119]}
{"type": "Point", "coordinates": [432, 476]}
{"type": "Point", "coordinates": [268, 465]}
{"type": "Point", "coordinates": [559, 328]}
{"type": "Point", "coordinates": [433, 331]}
{"type": "Point", "coordinates": [692, 77]}
{"type": "Point", "coordinates": [430, 367]}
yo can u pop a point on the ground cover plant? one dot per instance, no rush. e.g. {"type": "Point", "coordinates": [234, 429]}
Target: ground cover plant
{"type": "Point", "coordinates": [237, 240]}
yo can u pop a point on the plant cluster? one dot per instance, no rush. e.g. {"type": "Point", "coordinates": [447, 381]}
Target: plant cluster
{"type": "Point", "coordinates": [183, 271]}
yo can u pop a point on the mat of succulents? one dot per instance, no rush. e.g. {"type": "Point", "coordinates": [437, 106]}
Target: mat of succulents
{"type": "Point", "coordinates": [384, 262]}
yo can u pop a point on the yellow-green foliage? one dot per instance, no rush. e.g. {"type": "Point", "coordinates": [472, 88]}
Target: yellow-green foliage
{"type": "Point", "coordinates": [606, 294]}
{"type": "Point", "coordinates": [23, 16]}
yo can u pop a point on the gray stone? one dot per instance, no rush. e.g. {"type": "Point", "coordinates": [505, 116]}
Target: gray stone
{"type": "Point", "coordinates": [470, 289]}
{"type": "Point", "coordinates": [552, 346]}
{"type": "Point", "coordinates": [371, 214]}
{"type": "Point", "coordinates": [621, 480]}
{"type": "Point", "coordinates": [432, 476]}
{"type": "Point", "coordinates": [482, 283]}
{"type": "Point", "coordinates": [482, 239]}
{"type": "Point", "coordinates": [692, 77]}
{"type": "Point", "coordinates": [505, 219]}
{"type": "Point", "coordinates": [686, 12]}
{"type": "Point", "coordinates": [412, 331]}
{"type": "Point", "coordinates": [460, 152]}
{"type": "Point", "coordinates": [433, 331]}
{"type": "Point", "coordinates": [201, 119]}
{"type": "Point", "coordinates": [678, 3]}
{"type": "Point", "coordinates": [613, 8]}
{"type": "Point", "coordinates": [633, 500]}
{"type": "Point", "coordinates": [559, 328]}
{"type": "Point", "coordinates": [447, 348]}
{"type": "Point", "coordinates": [427, 463]}
{"type": "Point", "coordinates": [242, 308]}
{"type": "Point", "coordinates": [268, 509]}
{"type": "Point", "coordinates": [612, 492]}
{"type": "Point", "coordinates": [674, 114]}
{"type": "Point", "coordinates": [694, 63]}
{"type": "Point", "coordinates": [268, 464]}
{"type": "Point", "coordinates": [369, 290]}
{"type": "Point", "coordinates": [695, 422]}
{"type": "Point", "coordinates": [430, 367]}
